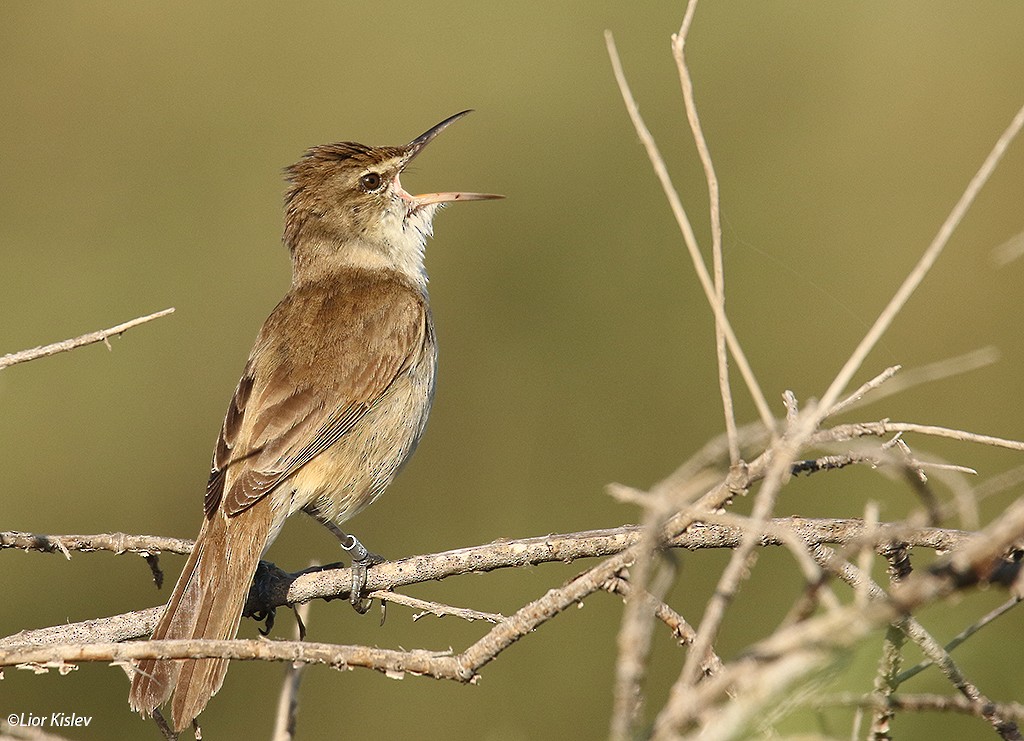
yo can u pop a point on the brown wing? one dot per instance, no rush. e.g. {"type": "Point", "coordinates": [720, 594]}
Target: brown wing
{"type": "Point", "coordinates": [322, 361]}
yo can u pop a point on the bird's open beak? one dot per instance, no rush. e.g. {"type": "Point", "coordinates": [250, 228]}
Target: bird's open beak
{"type": "Point", "coordinates": [416, 146]}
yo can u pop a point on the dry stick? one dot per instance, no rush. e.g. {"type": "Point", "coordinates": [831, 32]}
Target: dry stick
{"type": "Point", "coordinates": [1008, 251]}
{"type": "Point", "coordinates": [636, 627]}
{"type": "Point", "coordinates": [806, 424]}
{"type": "Point", "coordinates": [940, 369]}
{"type": "Point", "coordinates": [530, 617]}
{"type": "Point", "coordinates": [288, 703]}
{"type": "Point", "coordinates": [728, 584]}
{"type": "Point", "coordinates": [102, 335]}
{"type": "Point", "coordinates": [418, 569]}
{"type": "Point", "coordinates": [869, 387]}
{"type": "Point", "coordinates": [885, 427]}
{"type": "Point", "coordinates": [960, 638]}
{"type": "Point", "coordinates": [886, 680]}
{"type": "Point", "coordinates": [463, 667]}
{"type": "Point", "coordinates": [634, 637]}
{"type": "Point", "coordinates": [685, 703]}
{"type": "Point", "coordinates": [931, 254]}
{"type": "Point", "coordinates": [115, 542]}
{"type": "Point", "coordinates": [810, 420]}
{"type": "Point", "coordinates": [429, 663]}
{"type": "Point", "coordinates": [163, 726]}
{"type": "Point", "coordinates": [658, 163]}
{"type": "Point", "coordinates": [681, 629]}
{"type": "Point", "coordinates": [634, 640]}
{"type": "Point", "coordinates": [715, 295]}
{"type": "Point", "coordinates": [796, 545]}
{"type": "Point", "coordinates": [714, 205]}
{"type": "Point", "coordinates": [781, 455]}
{"type": "Point", "coordinates": [438, 609]}
{"type": "Point", "coordinates": [925, 641]}
{"type": "Point", "coordinates": [791, 653]}
{"type": "Point", "coordinates": [924, 702]}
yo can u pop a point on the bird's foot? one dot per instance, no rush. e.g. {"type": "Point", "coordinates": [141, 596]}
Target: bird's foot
{"type": "Point", "coordinates": [362, 559]}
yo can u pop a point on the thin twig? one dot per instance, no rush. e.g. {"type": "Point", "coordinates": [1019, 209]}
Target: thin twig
{"type": "Point", "coordinates": [885, 427]}
{"type": "Point", "coordinates": [864, 390]}
{"type": "Point", "coordinates": [961, 637]}
{"type": "Point", "coordinates": [658, 163]}
{"type": "Point", "coordinates": [791, 653]}
{"type": "Point", "coordinates": [436, 664]}
{"type": "Point", "coordinates": [437, 609]}
{"type": "Point", "coordinates": [924, 703]}
{"type": "Point", "coordinates": [924, 640]}
{"type": "Point", "coordinates": [927, 260]}
{"type": "Point", "coordinates": [288, 702]}
{"type": "Point", "coordinates": [737, 569]}
{"type": "Point", "coordinates": [681, 629]}
{"type": "Point", "coordinates": [163, 726]}
{"type": "Point", "coordinates": [714, 206]}
{"type": "Point", "coordinates": [796, 545]}
{"type": "Point", "coordinates": [804, 426]}
{"type": "Point", "coordinates": [634, 646]}
{"type": "Point", "coordinates": [23, 356]}
{"type": "Point", "coordinates": [929, 373]}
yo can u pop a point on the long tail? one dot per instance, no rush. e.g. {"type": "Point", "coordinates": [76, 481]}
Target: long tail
{"type": "Point", "coordinates": [207, 602]}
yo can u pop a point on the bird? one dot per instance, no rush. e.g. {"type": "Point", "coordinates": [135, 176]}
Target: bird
{"type": "Point", "coordinates": [331, 403]}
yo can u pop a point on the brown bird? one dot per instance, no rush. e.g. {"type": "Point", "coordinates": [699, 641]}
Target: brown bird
{"type": "Point", "coordinates": [332, 401]}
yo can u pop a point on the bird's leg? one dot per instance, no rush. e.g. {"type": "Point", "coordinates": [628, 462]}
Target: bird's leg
{"type": "Point", "coordinates": [362, 558]}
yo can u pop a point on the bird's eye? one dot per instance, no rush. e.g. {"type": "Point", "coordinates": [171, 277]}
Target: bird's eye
{"type": "Point", "coordinates": [370, 181]}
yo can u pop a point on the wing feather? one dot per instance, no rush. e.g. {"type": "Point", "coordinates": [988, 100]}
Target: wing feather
{"type": "Point", "coordinates": [302, 391]}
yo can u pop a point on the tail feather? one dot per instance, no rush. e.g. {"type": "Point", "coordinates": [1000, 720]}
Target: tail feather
{"type": "Point", "coordinates": [207, 602]}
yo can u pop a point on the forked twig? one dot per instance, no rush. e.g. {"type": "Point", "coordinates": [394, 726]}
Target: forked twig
{"type": "Point", "coordinates": [658, 163]}
{"type": "Point", "coordinates": [714, 206]}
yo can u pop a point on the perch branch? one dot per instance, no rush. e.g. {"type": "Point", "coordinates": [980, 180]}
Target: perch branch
{"type": "Point", "coordinates": [335, 583]}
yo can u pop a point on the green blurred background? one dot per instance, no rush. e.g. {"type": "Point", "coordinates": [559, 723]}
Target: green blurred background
{"type": "Point", "coordinates": [140, 161]}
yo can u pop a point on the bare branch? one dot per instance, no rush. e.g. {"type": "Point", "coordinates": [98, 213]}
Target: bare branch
{"type": "Point", "coordinates": [714, 205]}
{"type": "Point", "coordinates": [437, 609]}
{"type": "Point", "coordinates": [331, 584]}
{"type": "Point", "coordinates": [102, 335]}
{"type": "Point", "coordinates": [792, 652]}
{"type": "Point", "coordinates": [764, 411]}
{"type": "Point", "coordinates": [114, 542]}
{"type": "Point", "coordinates": [886, 680]}
{"type": "Point", "coordinates": [937, 371]}
{"type": "Point", "coordinates": [961, 637]}
{"type": "Point", "coordinates": [288, 702]}
{"type": "Point", "coordinates": [440, 665]}
{"type": "Point", "coordinates": [865, 389]}
{"type": "Point", "coordinates": [925, 702]}
{"type": "Point", "coordinates": [931, 254]}
{"type": "Point", "coordinates": [885, 427]}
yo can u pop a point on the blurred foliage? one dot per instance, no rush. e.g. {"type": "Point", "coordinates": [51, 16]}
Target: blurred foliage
{"type": "Point", "coordinates": [140, 160]}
